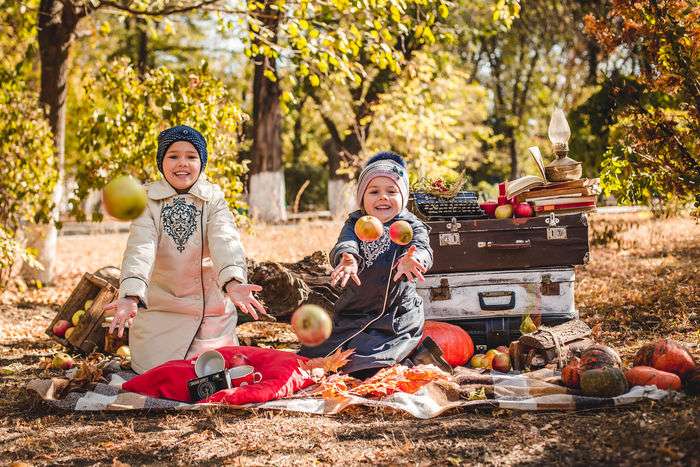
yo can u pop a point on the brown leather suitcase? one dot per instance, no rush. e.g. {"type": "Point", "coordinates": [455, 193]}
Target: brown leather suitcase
{"type": "Point", "coordinates": [504, 244]}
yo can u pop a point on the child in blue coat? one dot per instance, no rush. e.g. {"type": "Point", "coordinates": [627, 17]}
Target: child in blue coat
{"type": "Point", "coordinates": [380, 314]}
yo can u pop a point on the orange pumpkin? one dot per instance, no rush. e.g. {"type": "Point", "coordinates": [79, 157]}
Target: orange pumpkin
{"type": "Point", "coordinates": [456, 345]}
{"type": "Point", "coordinates": [648, 376]}
{"type": "Point", "coordinates": [571, 373]}
{"type": "Point", "coordinates": [665, 355]}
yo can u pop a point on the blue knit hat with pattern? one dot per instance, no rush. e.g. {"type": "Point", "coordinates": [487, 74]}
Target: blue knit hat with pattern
{"type": "Point", "coordinates": [181, 133]}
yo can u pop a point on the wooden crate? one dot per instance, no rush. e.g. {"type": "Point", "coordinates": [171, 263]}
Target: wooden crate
{"type": "Point", "coordinates": [89, 334]}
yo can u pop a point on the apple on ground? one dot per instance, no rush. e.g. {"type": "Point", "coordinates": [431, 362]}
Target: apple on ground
{"type": "Point", "coordinates": [478, 361]}
{"type": "Point", "coordinates": [369, 228]}
{"type": "Point", "coordinates": [62, 361]}
{"type": "Point", "coordinates": [501, 362]}
{"type": "Point", "coordinates": [59, 329]}
{"type": "Point", "coordinates": [124, 198]}
{"type": "Point", "coordinates": [77, 316]}
{"type": "Point", "coordinates": [504, 211]}
{"type": "Point", "coordinates": [401, 233]}
{"type": "Point", "coordinates": [312, 325]}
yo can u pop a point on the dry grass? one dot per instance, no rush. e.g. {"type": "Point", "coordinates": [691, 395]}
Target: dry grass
{"type": "Point", "coordinates": [642, 282]}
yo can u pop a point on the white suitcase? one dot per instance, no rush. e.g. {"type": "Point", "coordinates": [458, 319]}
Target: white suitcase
{"type": "Point", "coordinates": [490, 305]}
{"type": "Point", "coordinates": [500, 294]}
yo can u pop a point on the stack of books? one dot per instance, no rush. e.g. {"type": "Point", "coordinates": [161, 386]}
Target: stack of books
{"type": "Point", "coordinates": [559, 197]}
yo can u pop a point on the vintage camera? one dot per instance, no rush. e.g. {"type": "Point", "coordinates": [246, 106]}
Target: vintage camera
{"type": "Point", "coordinates": [201, 388]}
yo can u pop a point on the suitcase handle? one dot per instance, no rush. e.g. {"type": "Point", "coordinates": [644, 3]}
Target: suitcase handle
{"type": "Point", "coordinates": [516, 245]}
{"type": "Point", "coordinates": [497, 306]}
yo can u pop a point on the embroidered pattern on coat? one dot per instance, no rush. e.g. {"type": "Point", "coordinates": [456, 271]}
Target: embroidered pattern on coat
{"type": "Point", "coordinates": [372, 250]}
{"type": "Point", "coordinates": [179, 221]}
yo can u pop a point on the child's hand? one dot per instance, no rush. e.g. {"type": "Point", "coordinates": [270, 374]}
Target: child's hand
{"type": "Point", "coordinates": [242, 297]}
{"type": "Point", "coordinates": [125, 310]}
{"type": "Point", "coordinates": [346, 269]}
{"type": "Point", "coordinates": [409, 266]}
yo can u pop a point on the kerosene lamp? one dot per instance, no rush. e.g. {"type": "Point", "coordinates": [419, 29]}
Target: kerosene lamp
{"type": "Point", "coordinates": [562, 168]}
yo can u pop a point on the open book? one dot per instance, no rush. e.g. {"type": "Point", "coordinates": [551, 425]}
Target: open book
{"type": "Point", "coordinates": [522, 184]}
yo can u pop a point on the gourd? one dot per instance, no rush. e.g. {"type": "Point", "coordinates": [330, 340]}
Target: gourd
{"type": "Point", "coordinates": [599, 356]}
{"type": "Point", "coordinates": [603, 382]}
{"type": "Point", "coordinates": [648, 376]}
{"type": "Point", "coordinates": [665, 355]}
{"type": "Point", "coordinates": [571, 373]}
{"type": "Point", "coordinates": [456, 344]}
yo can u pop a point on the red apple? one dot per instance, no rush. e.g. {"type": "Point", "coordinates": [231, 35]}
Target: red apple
{"type": "Point", "coordinates": [62, 361]}
{"type": "Point", "coordinates": [489, 207]}
{"type": "Point", "coordinates": [401, 233]}
{"type": "Point", "coordinates": [59, 329]}
{"type": "Point", "coordinates": [502, 348]}
{"type": "Point", "coordinates": [504, 211]}
{"type": "Point", "coordinates": [124, 198]}
{"type": "Point", "coordinates": [312, 325]}
{"type": "Point", "coordinates": [523, 210]}
{"type": "Point", "coordinates": [368, 228]}
{"type": "Point", "coordinates": [501, 362]}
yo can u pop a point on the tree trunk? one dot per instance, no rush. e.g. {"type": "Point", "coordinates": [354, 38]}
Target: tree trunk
{"type": "Point", "coordinates": [513, 150]}
{"type": "Point", "coordinates": [57, 22]}
{"type": "Point", "coordinates": [341, 189]}
{"type": "Point", "coordinates": [266, 188]}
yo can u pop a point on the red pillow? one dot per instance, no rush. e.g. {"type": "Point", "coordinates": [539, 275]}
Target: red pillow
{"type": "Point", "coordinates": [280, 378]}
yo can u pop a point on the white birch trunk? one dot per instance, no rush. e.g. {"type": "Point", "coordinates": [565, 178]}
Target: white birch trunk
{"type": "Point", "coordinates": [341, 197]}
{"type": "Point", "coordinates": [266, 196]}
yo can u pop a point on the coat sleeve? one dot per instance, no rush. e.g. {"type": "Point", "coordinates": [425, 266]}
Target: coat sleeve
{"type": "Point", "coordinates": [139, 257]}
{"type": "Point", "coordinates": [421, 240]}
{"type": "Point", "coordinates": [347, 243]}
{"type": "Point", "coordinates": [225, 243]}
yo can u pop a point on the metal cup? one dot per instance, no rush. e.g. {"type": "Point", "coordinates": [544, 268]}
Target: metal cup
{"type": "Point", "coordinates": [208, 363]}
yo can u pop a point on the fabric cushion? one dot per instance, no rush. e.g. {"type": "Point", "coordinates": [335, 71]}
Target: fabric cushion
{"type": "Point", "coordinates": [280, 372]}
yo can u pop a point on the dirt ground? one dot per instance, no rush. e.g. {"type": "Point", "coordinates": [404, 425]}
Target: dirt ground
{"type": "Point", "coordinates": [642, 283]}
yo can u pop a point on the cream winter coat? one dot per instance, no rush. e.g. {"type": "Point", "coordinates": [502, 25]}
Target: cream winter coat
{"type": "Point", "coordinates": [181, 252]}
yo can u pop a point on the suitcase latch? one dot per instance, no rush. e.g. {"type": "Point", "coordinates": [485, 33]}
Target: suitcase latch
{"type": "Point", "coordinates": [452, 237]}
{"type": "Point", "coordinates": [548, 287]}
{"type": "Point", "coordinates": [442, 292]}
{"type": "Point", "coordinates": [556, 233]}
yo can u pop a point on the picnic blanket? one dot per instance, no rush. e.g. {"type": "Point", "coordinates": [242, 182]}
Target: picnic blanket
{"type": "Point", "coordinates": [533, 391]}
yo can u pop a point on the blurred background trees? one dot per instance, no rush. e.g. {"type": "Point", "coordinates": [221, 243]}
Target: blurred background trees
{"type": "Point", "coordinates": [294, 95]}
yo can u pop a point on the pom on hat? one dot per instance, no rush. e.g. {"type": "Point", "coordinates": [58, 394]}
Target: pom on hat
{"type": "Point", "coordinates": [387, 155]}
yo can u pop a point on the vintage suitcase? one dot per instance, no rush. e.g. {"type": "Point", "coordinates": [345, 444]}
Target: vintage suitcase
{"type": "Point", "coordinates": [491, 304]}
{"type": "Point", "coordinates": [508, 244]}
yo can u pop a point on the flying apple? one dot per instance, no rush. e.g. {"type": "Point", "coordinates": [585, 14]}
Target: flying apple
{"type": "Point", "coordinates": [312, 325]}
{"type": "Point", "coordinates": [401, 233]}
{"type": "Point", "coordinates": [368, 228]}
{"type": "Point", "coordinates": [124, 198]}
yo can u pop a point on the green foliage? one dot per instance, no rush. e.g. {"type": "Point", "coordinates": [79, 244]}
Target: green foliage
{"type": "Point", "coordinates": [122, 114]}
{"type": "Point", "coordinates": [314, 195]}
{"type": "Point", "coordinates": [434, 117]}
{"type": "Point", "coordinates": [29, 174]}
{"type": "Point", "coordinates": [654, 151]}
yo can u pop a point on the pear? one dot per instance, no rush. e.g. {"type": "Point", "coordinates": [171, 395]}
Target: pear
{"type": "Point", "coordinates": [527, 326]}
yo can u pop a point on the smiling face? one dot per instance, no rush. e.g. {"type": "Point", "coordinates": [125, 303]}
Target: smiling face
{"type": "Point", "coordinates": [382, 199]}
{"type": "Point", "coordinates": [181, 165]}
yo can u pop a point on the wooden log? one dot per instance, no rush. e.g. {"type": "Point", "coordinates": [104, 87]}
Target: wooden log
{"type": "Point", "coordinates": [566, 332]}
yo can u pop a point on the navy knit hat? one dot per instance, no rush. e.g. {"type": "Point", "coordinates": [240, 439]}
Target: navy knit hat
{"type": "Point", "coordinates": [181, 133]}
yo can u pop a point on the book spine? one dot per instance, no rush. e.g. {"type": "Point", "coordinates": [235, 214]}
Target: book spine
{"type": "Point", "coordinates": [558, 207]}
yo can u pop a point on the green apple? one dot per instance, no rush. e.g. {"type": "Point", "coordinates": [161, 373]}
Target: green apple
{"type": "Point", "coordinates": [124, 198]}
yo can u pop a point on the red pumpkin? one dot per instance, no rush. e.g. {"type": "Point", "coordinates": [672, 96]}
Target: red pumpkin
{"type": "Point", "coordinates": [599, 356]}
{"type": "Point", "coordinates": [648, 376]}
{"type": "Point", "coordinates": [665, 355]}
{"type": "Point", "coordinates": [456, 345]}
{"type": "Point", "coordinates": [571, 373]}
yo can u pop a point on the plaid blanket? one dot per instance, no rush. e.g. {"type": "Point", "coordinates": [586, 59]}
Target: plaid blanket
{"type": "Point", "coordinates": [473, 388]}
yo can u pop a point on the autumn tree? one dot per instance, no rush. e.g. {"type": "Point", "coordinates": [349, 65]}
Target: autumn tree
{"type": "Point", "coordinates": [654, 151]}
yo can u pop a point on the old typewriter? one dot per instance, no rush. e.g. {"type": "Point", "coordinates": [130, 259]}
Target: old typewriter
{"type": "Point", "coordinates": [463, 206]}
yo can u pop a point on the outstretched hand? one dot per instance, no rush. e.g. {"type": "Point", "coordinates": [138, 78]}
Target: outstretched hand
{"type": "Point", "coordinates": [124, 311]}
{"type": "Point", "coordinates": [242, 297]}
{"type": "Point", "coordinates": [409, 266]}
{"type": "Point", "coordinates": [346, 269]}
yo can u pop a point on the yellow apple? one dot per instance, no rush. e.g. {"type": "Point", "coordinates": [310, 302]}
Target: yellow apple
{"type": "Point", "coordinates": [124, 198]}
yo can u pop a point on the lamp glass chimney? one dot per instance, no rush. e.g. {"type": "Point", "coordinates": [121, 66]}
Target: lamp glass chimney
{"type": "Point", "coordinates": [559, 131]}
